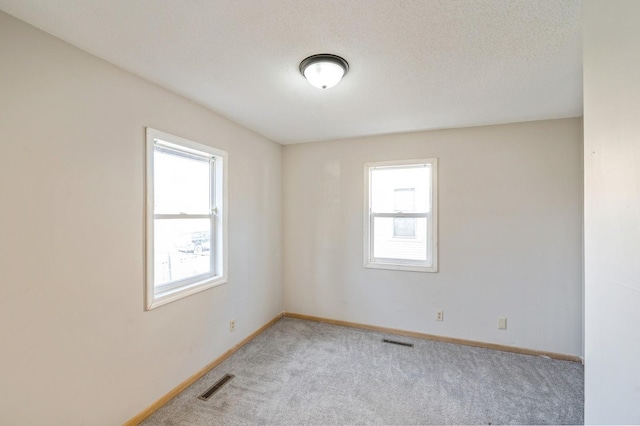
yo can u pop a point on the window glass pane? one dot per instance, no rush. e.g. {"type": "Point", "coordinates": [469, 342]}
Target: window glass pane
{"type": "Point", "coordinates": [182, 249]}
{"type": "Point", "coordinates": [404, 227]}
{"type": "Point", "coordinates": [405, 200]}
{"type": "Point", "coordinates": [405, 189]}
{"type": "Point", "coordinates": [181, 183]}
{"type": "Point", "coordinates": [388, 246]}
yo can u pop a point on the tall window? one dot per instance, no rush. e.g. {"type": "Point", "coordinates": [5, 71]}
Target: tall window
{"type": "Point", "coordinates": [401, 215]}
{"type": "Point", "coordinates": [186, 220]}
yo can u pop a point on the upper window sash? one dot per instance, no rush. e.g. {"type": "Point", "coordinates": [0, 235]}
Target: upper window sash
{"type": "Point", "coordinates": [198, 167]}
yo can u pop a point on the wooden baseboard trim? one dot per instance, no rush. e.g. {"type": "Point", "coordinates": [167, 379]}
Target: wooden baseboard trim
{"type": "Point", "coordinates": [182, 386]}
{"type": "Point", "coordinates": [494, 346]}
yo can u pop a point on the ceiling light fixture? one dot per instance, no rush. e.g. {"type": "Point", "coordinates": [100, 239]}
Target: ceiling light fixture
{"type": "Point", "coordinates": [324, 70]}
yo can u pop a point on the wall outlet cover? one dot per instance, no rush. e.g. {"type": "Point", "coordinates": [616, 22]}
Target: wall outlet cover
{"type": "Point", "coordinates": [502, 323]}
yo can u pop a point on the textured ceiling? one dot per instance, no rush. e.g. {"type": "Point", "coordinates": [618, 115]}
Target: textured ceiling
{"type": "Point", "coordinates": [414, 65]}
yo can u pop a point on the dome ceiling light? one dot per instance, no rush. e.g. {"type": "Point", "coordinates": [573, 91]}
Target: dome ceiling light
{"type": "Point", "coordinates": [324, 70]}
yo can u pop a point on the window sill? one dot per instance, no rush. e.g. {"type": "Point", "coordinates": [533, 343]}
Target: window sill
{"type": "Point", "coordinates": [400, 267]}
{"type": "Point", "coordinates": [169, 296]}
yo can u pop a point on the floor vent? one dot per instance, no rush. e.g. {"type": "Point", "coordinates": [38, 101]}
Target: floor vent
{"type": "Point", "coordinates": [216, 387]}
{"type": "Point", "coordinates": [395, 342]}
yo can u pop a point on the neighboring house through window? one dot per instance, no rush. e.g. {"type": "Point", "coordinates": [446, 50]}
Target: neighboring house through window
{"type": "Point", "coordinates": [185, 218]}
{"type": "Point", "coordinates": [405, 202]}
{"type": "Point", "coordinates": [401, 215]}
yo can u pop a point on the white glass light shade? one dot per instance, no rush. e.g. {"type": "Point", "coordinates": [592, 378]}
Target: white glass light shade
{"type": "Point", "coordinates": [324, 74]}
{"type": "Point", "coordinates": [324, 71]}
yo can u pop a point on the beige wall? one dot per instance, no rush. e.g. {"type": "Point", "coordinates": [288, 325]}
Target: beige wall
{"type": "Point", "coordinates": [612, 212]}
{"type": "Point", "coordinates": [76, 345]}
{"type": "Point", "coordinates": [510, 235]}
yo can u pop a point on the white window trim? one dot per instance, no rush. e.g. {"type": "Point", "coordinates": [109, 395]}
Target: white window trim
{"type": "Point", "coordinates": [399, 264]}
{"type": "Point", "coordinates": [219, 250]}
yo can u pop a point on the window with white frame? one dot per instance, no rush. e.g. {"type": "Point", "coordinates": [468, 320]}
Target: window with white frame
{"type": "Point", "coordinates": [401, 215]}
{"type": "Point", "coordinates": [185, 218]}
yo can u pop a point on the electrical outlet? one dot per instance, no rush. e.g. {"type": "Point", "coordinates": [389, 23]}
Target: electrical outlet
{"type": "Point", "coordinates": [440, 316]}
{"type": "Point", "coordinates": [232, 325]}
{"type": "Point", "coordinates": [502, 323]}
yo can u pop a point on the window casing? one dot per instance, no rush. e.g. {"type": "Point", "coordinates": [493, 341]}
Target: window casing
{"type": "Point", "coordinates": [186, 238]}
{"type": "Point", "coordinates": [401, 215]}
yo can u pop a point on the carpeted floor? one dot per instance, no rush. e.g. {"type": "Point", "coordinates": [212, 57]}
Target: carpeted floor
{"type": "Point", "coordinates": [304, 372]}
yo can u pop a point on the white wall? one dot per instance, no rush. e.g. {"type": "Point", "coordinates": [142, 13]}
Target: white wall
{"type": "Point", "coordinates": [510, 235]}
{"type": "Point", "coordinates": [76, 345]}
{"type": "Point", "coordinates": [612, 211]}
